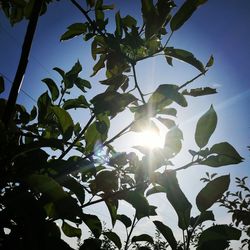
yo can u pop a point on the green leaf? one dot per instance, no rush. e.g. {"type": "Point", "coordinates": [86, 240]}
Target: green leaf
{"type": "Point", "coordinates": [71, 231]}
{"type": "Point", "coordinates": [205, 127]}
{"type": "Point", "coordinates": [210, 62]}
{"type": "Point", "coordinates": [125, 220]}
{"type": "Point", "coordinates": [82, 84]}
{"type": "Point", "coordinates": [176, 197]}
{"type": "Point", "coordinates": [210, 237]}
{"type": "Point", "coordinates": [79, 102]}
{"type": "Point", "coordinates": [143, 237]}
{"type": "Point", "coordinates": [167, 233]}
{"type": "Point", "coordinates": [93, 224]}
{"type": "Point", "coordinates": [118, 31]}
{"type": "Point", "coordinates": [99, 65]}
{"type": "Point", "coordinates": [74, 30]}
{"type": "Point", "coordinates": [65, 122]}
{"type": "Point", "coordinates": [46, 185]}
{"type": "Point", "coordinates": [59, 71]}
{"type": "Point", "coordinates": [1, 84]}
{"type": "Point", "coordinates": [129, 21]}
{"type": "Point", "coordinates": [212, 192]}
{"type": "Point", "coordinates": [168, 111]}
{"type": "Point", "coordinates": [199, 91]}
{"type": "Point", "coordinates": [114, 238]}
{"type": "Point", "coordinates": [184, 13]}
{"type": "Point", "coordinates": [164, 95]}
{"type": "Point", "coordinates": [52, 87]}
{"type": "Point", "coordinates": [184, 56]}
{"type": "Point", "coordinates": [43, 104]}
{"type": "Point", "coordinates": [167, 122]}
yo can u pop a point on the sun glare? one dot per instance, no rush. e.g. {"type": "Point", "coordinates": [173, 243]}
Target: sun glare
{"type": "Point", "coordinates": [150, 139]}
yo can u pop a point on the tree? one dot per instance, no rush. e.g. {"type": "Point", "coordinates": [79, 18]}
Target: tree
{"type": "Point", "coordinates": [52, 167]}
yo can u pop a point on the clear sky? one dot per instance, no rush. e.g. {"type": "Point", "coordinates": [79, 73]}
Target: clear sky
{"type": "Point", "coordinates": [219, 27]}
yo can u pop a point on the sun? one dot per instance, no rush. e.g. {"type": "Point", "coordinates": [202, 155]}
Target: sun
{"type": "Point", "coordinates": [150, 139]}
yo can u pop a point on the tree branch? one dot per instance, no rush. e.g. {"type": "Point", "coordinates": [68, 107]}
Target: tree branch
{"type": "Point", "coordinates": [136, 84]}
{"type": "Point", "coordinates": [23, 62]}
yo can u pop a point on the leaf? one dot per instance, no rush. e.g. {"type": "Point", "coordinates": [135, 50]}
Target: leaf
{"type": "Point", "coordinates": [210, 62]}
{"type": "Point", "coordinates": [112, 207]}
{"type": "Point", "coordinates": [118, 31]}
{"type": "Point", "coordinates": [52, 87]}
{"type": "Point", "coordinates": [168, 111]}
{"type": "Point", "coordinates": [199, 91]}
{"type": "Point", "coordinates": [204, 216]}
{"type": "Point", "coordinates": [184, 56]}
{"type": "Point", "coordinates": [155, 190]}
{"type": "Point", "coordinates": [59, 71]}
{"type": "Point", "coordinates": [176, 197]}
{"type": "Point", "coordinates": [1, 84]}
{"type": "Point", "coordinates": [65, 122]}
{"type": "Point", "coordinates": [125, 220]}
{"type": "Point", "coordinates": [184, 13]}
{"type": "Point", "coordinates": [212, 192]}
{"type": "Point", "coordinates": [46, 185]}
{"type": "Point", "coordinates": [210, 237]}
{"type": "Point", "coordinates": [167, 233]}
{"type": "Point", "coordinates": [82, 84]}
{"type": "Point", "coordinates": [164, 95]}
{"type": "Point", "coordinates": [114, 238]}
{"type": "Point", "coordinates": [167, 122]}
{"type": "Point", "coordinates": [71, 231]}
{"type": "Point", "coordinates": [43, 104]}
{"type": "Point", "coordinates": [91, 244]}
{"type": "Point", "coordinates": [205, 127]}
{"type": "Point", "coordinates": [79, 102]}
{"type": "Point", "coordinates": [99, 65]}
{"type": "Point", "coordinates": [93, 224]}
{"type": "Point", "coordinates": [74, 30]}
{"type": "Point", "coordinates": [143, 237]}
{"type": "Point", "coordinates": [225, 154]}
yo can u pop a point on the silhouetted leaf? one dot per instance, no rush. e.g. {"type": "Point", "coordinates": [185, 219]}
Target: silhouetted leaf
{"type": "Point", "coordinates": [125, 220]}
{"type": "Point", "coordinates": [184, 56]}
{"type": "Point", "coordinates": [214, 237]}
{"type": "Point", "coordinates": [43, 104]}
{"type": "Point", "coordinates": [91, 244]}
{"type": "Point", "coordinates": [74, 30]}
{"type": "Point", "coordinates": [65, 122]}
{"type": "Point", "coordinates": [1, 84]}
{"type": "Point", "coordinates": [143, 237]}
{"type": "Point", "coordinates": [176, 197]}
{"type": "Point", "coordinates": [199, 91]}
{"type": "Point", "coordinates": [184, 13]}
{"type": "Point", "coordinates": [205, 127]}
{"type": "Point", "coordinates": [204, 216]}
{"type": "Point", "coordinates": [212, 192]}
{"type": "Point", "coordinates": [167, 233]}
{"type": "Point", "coordinates": [210, 62]}
{"type": "Point", "coordinates": [71, 231]}
{"type": "Point", "coordinates": [93, 224]}
{"type": "Point", "coordinates": [82, 84]}
{"type": "Point", "coordinates": [112, 207]}
{"type": "Point", "coordinates": [52, 87]}
{"type": "Point", "coordinates": [155, 190]}
{"type": "Point", "coordinates": [114, 238]}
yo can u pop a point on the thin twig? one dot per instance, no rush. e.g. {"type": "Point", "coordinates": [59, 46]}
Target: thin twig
{"type": "Point", "coordinates": [130, 232]}
{"type": "Point", "coordinates": [136, 84]}
{"type": "Point", "coordinates": [78, 137]}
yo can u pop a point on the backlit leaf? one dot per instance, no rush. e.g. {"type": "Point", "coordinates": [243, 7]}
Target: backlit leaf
{"type": "Point", "coordinates": [212, 192]}
{"type": "Point", "coordinates": [65, 122]}
{"type": "Point", "coordinates": [184, 56]}
{"type": "Point", "coordinates": [71, 231]}
{"type": "Point", "coordinates": [91, 244]}
{"type": "Point", "coordinates": [210, 61]}
{"type": "Point", "coordinates": [199, 91]}
{"type": "Point", "coordinates": [184, 13]}
{"type": "Point", "coordinates": [93, 224]}
{"type": "Point", "coordinates": [205, 127]}
{"type": "Point", "coordinates": [79, 102]}
{"type": "Point", "coordinates": [52, 87]}
{"type": "Point", "coordinates": [155, 190]}
{"type": "Point", "coordinates": [74, 30]}
{"type": "Point", "coordinates": [125, 220]}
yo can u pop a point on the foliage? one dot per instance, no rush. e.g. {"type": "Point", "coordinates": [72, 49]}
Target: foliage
{"type": "Point", "coordinates": [53, 166]}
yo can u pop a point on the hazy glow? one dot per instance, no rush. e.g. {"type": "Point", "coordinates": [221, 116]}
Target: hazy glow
{"type": "Point", "coordinates": [149, 139]}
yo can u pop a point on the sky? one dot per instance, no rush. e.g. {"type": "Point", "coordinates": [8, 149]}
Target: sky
{"type": "Point", "coordinates": [220, 28]}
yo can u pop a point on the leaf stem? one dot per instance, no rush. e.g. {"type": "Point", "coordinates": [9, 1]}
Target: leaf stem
{"type": "Point", "coordinates": [77, 138]}
{"type": "Point", "coordinates": [130, 232]}
{"type": "Point", "coordinates": [136, 83]}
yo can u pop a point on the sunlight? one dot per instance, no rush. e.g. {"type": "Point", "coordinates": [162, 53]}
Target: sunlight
{"type": "Point", "coordinates": [150, 139]}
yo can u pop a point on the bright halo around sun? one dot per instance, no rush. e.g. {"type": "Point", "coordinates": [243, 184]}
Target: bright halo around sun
{"type": "Point", "coordinates": [150, 139]}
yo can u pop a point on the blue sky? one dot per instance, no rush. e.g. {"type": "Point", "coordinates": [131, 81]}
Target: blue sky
{"type": "Point", "coordinates": [220, 28]}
